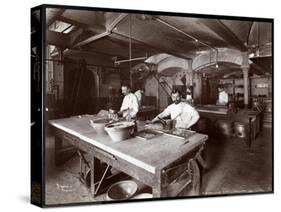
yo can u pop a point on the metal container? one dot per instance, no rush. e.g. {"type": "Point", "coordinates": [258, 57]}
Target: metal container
{"type": "Point", "coordinates": [241, 129]}
{"type": "Point", "coordinates": [120, 131]}
{"type": "Point", "coordinates": [122, 190]}
{"type": "Point", "coordinates": [225, 127]}
{"type": "Point", "coordinates": [169, 124]}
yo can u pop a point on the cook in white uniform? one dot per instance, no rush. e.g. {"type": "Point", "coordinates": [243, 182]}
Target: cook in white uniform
{"type": "Point", "coordinates": [184, 115]}
{"type": "Point", "coordinates": [223, 97]}
{"type": "Point", "coordinates": [130, 106]}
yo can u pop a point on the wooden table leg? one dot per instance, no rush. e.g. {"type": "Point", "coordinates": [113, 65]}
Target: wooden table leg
{"type": "Point", "coordinates": [58, 148]}
{"type": "Point", "coordinates": [92, 182]}
{"type": "Point", "coordinates": [159, 189]}
{"type": "Point", "coordinates": [195, 179]}
{"type": "Point", "coordinates": [200, 158]}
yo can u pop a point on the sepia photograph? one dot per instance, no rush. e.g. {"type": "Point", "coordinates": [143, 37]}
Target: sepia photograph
{"type": "Point", "coordinates": [138, 105]}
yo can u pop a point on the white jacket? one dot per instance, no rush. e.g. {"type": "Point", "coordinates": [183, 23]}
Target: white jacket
{"type": "Point", "coordinates": [184, 114]}
{"type": "Point", "coordinates": [130, 102]}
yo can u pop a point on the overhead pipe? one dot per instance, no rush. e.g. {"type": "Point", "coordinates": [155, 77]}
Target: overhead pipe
{"type": "Point", "coordinates": [187, 35]}
{"type": "Point", "coordinates": [129, 60]}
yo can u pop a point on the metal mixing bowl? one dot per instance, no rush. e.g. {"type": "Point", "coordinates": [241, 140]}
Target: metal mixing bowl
{"type": "Point", "coordinates": [119, 131]}
{"type": "Point", "coordinates": [122, 190]}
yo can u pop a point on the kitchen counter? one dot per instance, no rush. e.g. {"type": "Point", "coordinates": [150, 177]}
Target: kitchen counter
{"type": "Point", "coordinates": [212, 113]}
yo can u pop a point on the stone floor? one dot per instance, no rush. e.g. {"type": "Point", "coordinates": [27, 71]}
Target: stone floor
{"type": "Point", "coordinates": [232, 168]}
{"type": "Point", "coordinates": [235, 168]}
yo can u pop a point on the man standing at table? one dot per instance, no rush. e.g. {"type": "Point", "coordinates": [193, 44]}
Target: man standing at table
{"type": "Point", "coordinates": [182, 113]}
{"type": "Point", "coordinates": [130, 105]}
{"type": "Point", "coordinates": [223, 97]}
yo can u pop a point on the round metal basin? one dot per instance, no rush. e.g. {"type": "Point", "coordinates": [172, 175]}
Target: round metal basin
{"type": "Point", "coordinates": [122, 190]}
{"type": "Point", "coordinates": [119, 131]}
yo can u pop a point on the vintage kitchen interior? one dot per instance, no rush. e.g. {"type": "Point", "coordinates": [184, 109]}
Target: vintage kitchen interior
{"type": "Point", "coordinates": [143, 105]}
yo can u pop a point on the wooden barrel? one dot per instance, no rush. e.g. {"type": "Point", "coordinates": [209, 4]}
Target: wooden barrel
{"type": "Point", "coordinates": [224, 127]}
{"type": "Point", "coordinates": [241, 129]}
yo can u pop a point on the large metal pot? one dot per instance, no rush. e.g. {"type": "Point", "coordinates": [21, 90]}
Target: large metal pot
{"type": "Point", "coordinates": [225, 127]}
{"type": "Point", "coordinates": [120, 131]}
{"type": "Point", "coordinates": [241, 129]}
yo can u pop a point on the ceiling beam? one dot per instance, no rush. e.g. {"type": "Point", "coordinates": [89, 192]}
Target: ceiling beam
{"type": "Point", "coordinates": [97, 29]}
{"type": "Point", "coordinates": [116, 21]}
{"type": "Point", "coordinates": [58, 39]}
{"type": "Point", "coordinates": [91, 39]}
{"type": "Point", "coordinates": [55, 17]}
{"type": "Point", "coordinates": [103, 34]}
{"type": "Point", "coordinates": [75, 34]}
{"type": "Point", "coordinates": [91, 51]}
{"type": "Point", "coordinates": [224, 32]}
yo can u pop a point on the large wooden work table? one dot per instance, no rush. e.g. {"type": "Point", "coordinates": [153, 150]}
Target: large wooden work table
{"type": "Point", "coordinates": [148, 161]}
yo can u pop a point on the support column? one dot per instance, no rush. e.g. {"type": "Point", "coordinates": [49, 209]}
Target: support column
{"type": "Point", "coordinates": [246, 85]}
{"type": "Point", "coordinates": [245, 69]}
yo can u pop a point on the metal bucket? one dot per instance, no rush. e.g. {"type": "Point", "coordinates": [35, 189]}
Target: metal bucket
{"type": "Point", "coordinates": [241, 129]}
